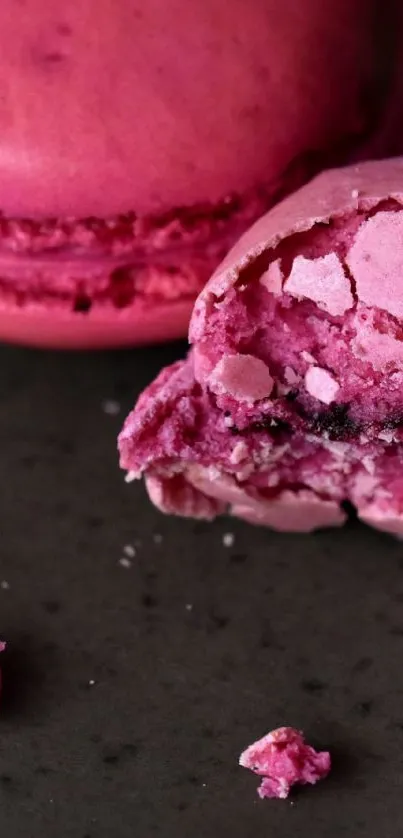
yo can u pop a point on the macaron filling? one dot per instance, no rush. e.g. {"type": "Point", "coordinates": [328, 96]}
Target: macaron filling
{"type": "Point", "coordinates": [87, 264]}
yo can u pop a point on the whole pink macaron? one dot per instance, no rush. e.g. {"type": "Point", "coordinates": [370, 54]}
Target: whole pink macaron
{"type": "Point", "coordinates": [139, 140]}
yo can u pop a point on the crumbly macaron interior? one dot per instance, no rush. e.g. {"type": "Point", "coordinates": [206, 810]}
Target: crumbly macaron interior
{"type": "Point", "coordinates": [292, 402]}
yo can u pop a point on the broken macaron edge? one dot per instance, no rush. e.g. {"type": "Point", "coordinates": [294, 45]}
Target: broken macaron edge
{"type": "Point", "coordinates": [330, 196]}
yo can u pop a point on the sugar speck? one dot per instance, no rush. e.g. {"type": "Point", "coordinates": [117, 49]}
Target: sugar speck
{"type": "Point", "coordinates": [189, 606]}
{"type": "Point", "coordinates": [91, 683]}
{"type": "Point", "coordinates": [129, 551]}
{"type": "Point", "coordinates": [111, 407]}
{"type": "Point", "coordinates": [228, 539]}
{"type": "Point", "coordinates": [5, 585]}
{"type": "Point", "coordinates": [125, 562]}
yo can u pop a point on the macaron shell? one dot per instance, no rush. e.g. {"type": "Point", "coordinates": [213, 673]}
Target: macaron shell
{"type": "Point", "coordinates": [64, 329]}
{"type": "Point", "coordinates": [331, 194]}
{"type": "Point", "coordinates": [98, 116]}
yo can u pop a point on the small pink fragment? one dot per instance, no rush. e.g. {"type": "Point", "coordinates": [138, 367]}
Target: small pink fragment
{"type": "Point", "coordinates": [322, 280]}
{"type": "Point", "coordinates": [321, 385]}
{"type": "Point", "coordinates": [376, 262]}
{"type": "Point", "coordinates": [273, 278]}
{"type": "Point", "coordinates": [244, 377]}
{"type": "Point", "coordinates": [283, 758]}
{"type": "Point", "coordinates": [239, 453]}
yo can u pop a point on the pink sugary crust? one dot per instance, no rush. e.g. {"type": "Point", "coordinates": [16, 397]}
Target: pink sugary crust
{"type": "Point", "coordinates": [322, 280]}
{"type": "Point", "coordinates": [283, 759]}
{"type": "Point", "coordinates": [331, 195]}
{"type": "Point", "coordinates": [367, 263]}
{"type": "Point", "coordinates": [92, 123]}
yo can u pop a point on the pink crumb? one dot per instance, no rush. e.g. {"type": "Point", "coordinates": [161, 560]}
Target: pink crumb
{"type": "Point", "coordinates": [322, 280]}
{"type": "Point", "coordinates": [321, 385]}
{"type": "Point", "coordinates": [283, 758]}
{"type": "Point", "coordinates": [242, 376]}
{"type": "Point", "coordinates": [273, 278]}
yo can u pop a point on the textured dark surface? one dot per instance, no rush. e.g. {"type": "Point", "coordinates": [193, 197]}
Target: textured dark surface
{"type": "Point", "coordinates": [306, 631]}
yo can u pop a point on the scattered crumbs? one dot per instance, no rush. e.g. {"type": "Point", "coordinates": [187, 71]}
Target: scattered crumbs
{"type": "Point", "coordinates": [5, 585]}
{"type": "Point", "coordinates": [111, 407]}
{"type": "Point", "coordinates": [157, 538]}
{"type": "Point", "coordinates": [129, 551]}
{"type": "Point", "coordinates": [189, 606]}
{"type": "Point", "coordinates": [125, 562]}
{"type": "Point", "coordinates": [228, 539]}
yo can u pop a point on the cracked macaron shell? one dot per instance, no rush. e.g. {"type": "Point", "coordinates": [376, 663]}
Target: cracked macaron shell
{"type": "Point", "coordinates": [331, 195]}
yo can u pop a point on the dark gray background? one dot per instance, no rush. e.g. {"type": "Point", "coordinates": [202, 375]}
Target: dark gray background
{"type": "Point", "coordinates": [306, 631]}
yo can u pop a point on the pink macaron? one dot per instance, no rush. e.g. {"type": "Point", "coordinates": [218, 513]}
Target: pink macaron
{"type": "Point", "coordinates": [289, 405]}
{"type": "Point", "coordinates": [139, 140]}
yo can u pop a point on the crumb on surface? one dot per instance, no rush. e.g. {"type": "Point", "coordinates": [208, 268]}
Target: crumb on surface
{"type": "Point", "coordinates": [125, 562]}
{"type": "Point", "coordinates": [111, 407]}
{"type": "Point", "coordinates": [5, 585]}
{"type": "Point", "coordinates": [282, 758]}
{"type": "Point", "coordinates": [129, 551]}
{"type": "Point", "coordinates": [228, 539]}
